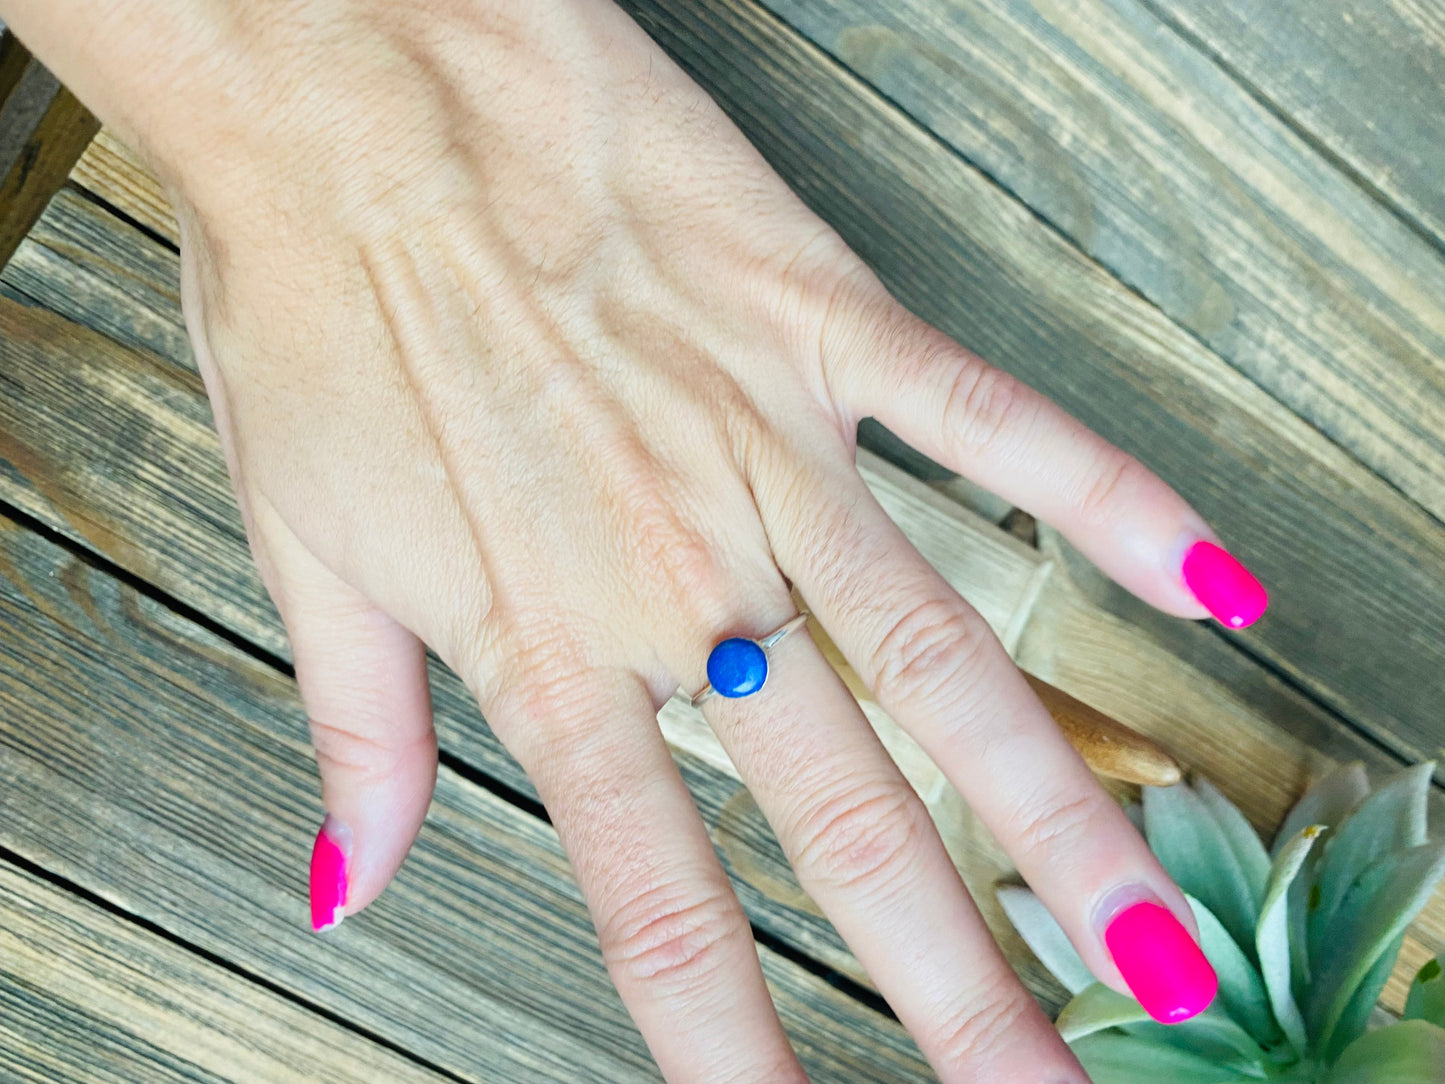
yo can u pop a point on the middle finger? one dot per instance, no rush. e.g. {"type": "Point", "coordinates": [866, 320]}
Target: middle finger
{"type": "Point", "coordinates": [936, 667]}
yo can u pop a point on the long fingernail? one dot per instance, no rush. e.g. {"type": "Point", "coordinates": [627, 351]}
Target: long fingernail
{"type": "Point", "coordinates": [1223, 586]}
{"type": "Point", "coordinates": [328, 875]}
{"type": "Point", "coordinates": [1163, 967]}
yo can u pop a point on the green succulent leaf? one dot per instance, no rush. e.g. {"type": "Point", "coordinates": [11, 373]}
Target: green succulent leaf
{"type": "Point", "coordinates": [1427, 993]}
{"type": "Point", "coordinates": [1095, 1008]}
{"type": "Point", "coordinates": [1243, 840]}
{"type": "Point", "coordinates": [1364, 1002]}
{"type": "Point", "coordinates": [1391, 819]}
{"type": "Point", "coordinates": [1272, 935]}
{"type": "Point", "coordinates": [1410, 1052]}
{"type": "Point", "coordinates": [1241, 990]}
{"type": "Point", "coordinates": [1189, 842]}
{"type": "Point", "coordinates": [1044, 936]}
{"type": "Point", "coordinates": [1211, 1035]}
{"type": "Point", "coordinates": [1327, 802]}
{"type": "Point", "coordinates": [1368, 921]}
{"type": "Point", "coordinates": [1111, 1058]}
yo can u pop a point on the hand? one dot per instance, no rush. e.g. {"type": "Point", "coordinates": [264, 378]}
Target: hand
{"type": "Point", "coordinates": [520, 351]}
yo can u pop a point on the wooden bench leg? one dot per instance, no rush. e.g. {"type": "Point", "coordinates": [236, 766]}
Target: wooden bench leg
{"type": "Point", "coordinates": [43, 132]}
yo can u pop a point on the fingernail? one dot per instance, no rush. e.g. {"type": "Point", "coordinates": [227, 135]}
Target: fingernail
{"type": "Point", "coordinates": [1163, 967]}
{"type": "Point", "coordinates": [1223, 586]}
{"type": "Point", "coordinates": [328, 875]}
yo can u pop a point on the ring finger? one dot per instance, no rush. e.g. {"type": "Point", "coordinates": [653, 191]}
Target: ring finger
{"type": "Point", "coordinates": [864, 847]}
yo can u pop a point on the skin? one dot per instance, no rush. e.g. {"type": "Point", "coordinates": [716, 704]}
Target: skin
{"type": "Point", "coordinates": [519, 350]}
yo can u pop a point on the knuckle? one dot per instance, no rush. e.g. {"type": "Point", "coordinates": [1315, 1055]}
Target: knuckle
{"type": "Point", "coordinates": [1046, 827]}
{"type": "Point", "coordinates": [672, 555]}
{"type": "Point", "coordinates": [669, 934]}
{"type": "Point", "coordinates": [1106, 485]}
{"type": "Point", "coordinates": [365, 757]}
{"type": "Point", "coordinates": [982, 402]}
{"type": "Point", "coordinates": [861, 839]}
{"type": "Point", "coordinates": [542, 687]}
{"type": "Point", "coordinates": [935, 649]}
{"type": "Point", "coordinates": [981, 1028]}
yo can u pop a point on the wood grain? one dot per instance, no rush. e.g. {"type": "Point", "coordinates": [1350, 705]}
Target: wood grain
{"type": "Point", "coordinates": [1364, 80]}
{"type": "Point", "coordinates": [116, 174]}
{"type": "Point", "coordinates": [158, 767]}
{"type": "Point", "coordinates": [1142, 151]}
{"type": "Point", "coordinates": [88, 996]}
{"type": "Point", "coordinates": [43, 130]}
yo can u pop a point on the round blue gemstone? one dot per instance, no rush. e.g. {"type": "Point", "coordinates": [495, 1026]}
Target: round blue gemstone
{"type": "Point", "coordinates": [737, 667]}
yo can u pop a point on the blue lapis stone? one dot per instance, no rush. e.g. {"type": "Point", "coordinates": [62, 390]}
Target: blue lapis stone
{"type": "Point", "coordinates": [737, 667]}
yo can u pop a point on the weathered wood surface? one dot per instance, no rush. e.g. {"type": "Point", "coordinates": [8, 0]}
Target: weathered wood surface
{"type": "Point", "coordinates": [1143, 152]}
{"type": "Point", "coordinates": [165, 771]}
{"type": "Point", "coordinates": [1365, 80]}
{"type": "Point", "coordinates": [86, 995]}
{"type": "Point", "coordinates": [1356, 570]}
{"type": "Point", "coordinates": [111, 445]}
{"type": "Point", "coordinates": [116, 173]}
{"type": "Point", "coordinates": [43, 130]}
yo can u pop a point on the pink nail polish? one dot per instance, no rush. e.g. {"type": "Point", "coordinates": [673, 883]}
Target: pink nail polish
{"type": "Point", "coordinates": [328, 876]}
{"type": "Point", "coordinates": [1225, 587]}
{"type": "Point", "coordinates": [1164, 968]}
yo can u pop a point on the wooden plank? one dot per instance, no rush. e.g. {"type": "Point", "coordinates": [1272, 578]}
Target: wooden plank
{"type": "Point", "coordinates": [87, 996]}
{"type": "Point", "coordinates": [1364, 80]}
{"type": "Point", "coordinates": [116, 174]}
{"type": "Point", "coordinates": [1357, 572]}
{"type": "Point", "coordinates": [43, 130]}
{"type": "Point", "coordinates": [161, 769]}
{"type": "Point", "coordinates": [1143, 152]}
{"type": "Point", "coordinates": [94, 430]}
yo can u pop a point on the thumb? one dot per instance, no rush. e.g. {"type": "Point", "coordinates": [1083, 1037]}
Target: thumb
{"type": "Point", "coordinates": [363, 680]}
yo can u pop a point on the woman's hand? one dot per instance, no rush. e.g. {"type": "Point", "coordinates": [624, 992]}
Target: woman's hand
{"type": "Point", "coordinates": [520, 351]}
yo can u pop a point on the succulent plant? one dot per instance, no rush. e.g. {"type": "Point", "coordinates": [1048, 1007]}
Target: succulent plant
{"type": "Point", "coordinates": [1303, 938]}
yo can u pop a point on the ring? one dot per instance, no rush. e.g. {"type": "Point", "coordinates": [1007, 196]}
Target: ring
{"type": "Point", "coordinates": [738, 667]}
